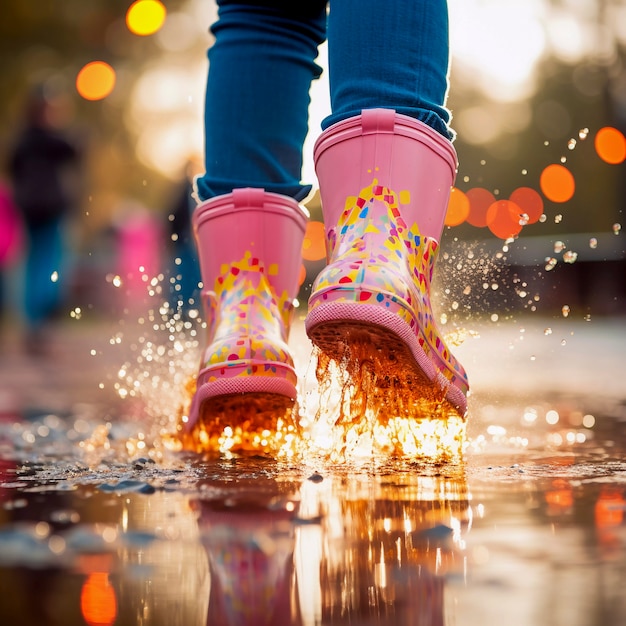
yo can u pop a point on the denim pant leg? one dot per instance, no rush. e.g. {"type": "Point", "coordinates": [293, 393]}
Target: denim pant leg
{"type": "Point", "coordinates": [389, 54]}
{"type": "Point", "coordinates": [257, 96]}
{"type": "Point", "coordinates": [42, 291]}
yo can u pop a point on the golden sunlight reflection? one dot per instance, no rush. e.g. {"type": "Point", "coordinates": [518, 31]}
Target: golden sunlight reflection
{"type": "Point", "coordinates": [381, 544]}
{"type": "Point", "coordinates": [281, 549]}
{"type": "Point", "coordinates": [165, 569]}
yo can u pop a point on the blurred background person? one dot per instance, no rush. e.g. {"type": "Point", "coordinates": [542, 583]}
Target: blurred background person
{"type": "Point", "coordinates": [43, 168]}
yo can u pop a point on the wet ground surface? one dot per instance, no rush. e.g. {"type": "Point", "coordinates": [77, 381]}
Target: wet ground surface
{"type": "Point", "coordinates": [103, 522]}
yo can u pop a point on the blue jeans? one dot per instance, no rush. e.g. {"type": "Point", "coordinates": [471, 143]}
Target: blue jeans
{"type": "Point", "coordinates": [382, 53]}
{"type": "Point", "coordinates": [46, 255]}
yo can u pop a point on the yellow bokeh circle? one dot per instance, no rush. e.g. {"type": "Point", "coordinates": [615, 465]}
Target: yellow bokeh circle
{"type": "Point", "coordinates": [95, 80]}
{"type": "Point", "coordinates": [145, 17]}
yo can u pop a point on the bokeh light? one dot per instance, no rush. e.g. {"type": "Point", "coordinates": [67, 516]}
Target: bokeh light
{"type": "Point", "coordinates": [314, 244]}
{"type": "Point", "coordinates": [302, 275]}
{"type": "Point", "coordinates": [145, 17]}
{"type": "Point", "coordinates": [504, 219]}
{"type": "Point", "coordinates": [97, 600]}
{"type": "Point", "coordinates": [530, 202]}
{"type": "Point", "coordinates": [480, 200]}
{"type": "Point", "coordinates": [557, 183]}
{"type": "Point", "coordinates": [610, 145]}
{"type": "Point", "coordinates": [95, 80]}
{"type": "Point", "coordinates": [458, 208]}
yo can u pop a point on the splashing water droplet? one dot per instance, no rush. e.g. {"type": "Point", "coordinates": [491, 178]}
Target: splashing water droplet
{"type": "Point", "coordinates": [571, 144]}
{"type": "Point", "coordinates": [582, 133]}
{"type": "Point", "coordinates": [570, 256]}
{"type": "Point", "coordinates": [550, 263]}
{"type": "Point", "coordinates": [593, 243]}
{"type": "Point", "coordinates": [54, 277]}
{"type": "Point", "coordinates": [565, 310]}
{"type": "Point", "coordinates": [559, 246]}
{"type": "Point", "coordinates": [617, 228]}
{"type": "Point", "coordinates": [547, 331]}
{"type": "Point", "coordinates": [542, 218]}
{"type": "Point", "coordinates": [587, 317]}
{"type": "Point", "coordinates": [558, 218]}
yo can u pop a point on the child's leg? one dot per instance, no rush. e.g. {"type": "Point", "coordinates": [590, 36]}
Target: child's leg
{"type": "Point", "coordinates": [257, 97]}
{"type": "Point", "coordinates": [249, 227]}
{"type": "Point", "coordinates": [391, 54]}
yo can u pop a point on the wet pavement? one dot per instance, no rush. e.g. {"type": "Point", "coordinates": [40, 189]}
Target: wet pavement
{"type": "Point", "coordinates": [103, 521]}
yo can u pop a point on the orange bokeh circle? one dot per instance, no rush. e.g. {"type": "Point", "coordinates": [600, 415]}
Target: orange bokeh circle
{"type": "Point", "coordinates": [557, 183]}
{"type": "Point", "coordinates": [314, 244]}
{"type": "Point", "coordinates": [95, 80]}
{"type": "Point", "coordinates": [458, 208]}
{"type": "Point", "coordinates": [504, 219]}
{"type": "Point", "coordinates": [479, 200]}
{"type": "Point", "coordinates": [610, 145]}
{"type": "Point", "coordinates": [301, 275]}
{"type": "Point", "coordinates": [529, 201]}
{"type": "Point", "coordinates": [98, 601]}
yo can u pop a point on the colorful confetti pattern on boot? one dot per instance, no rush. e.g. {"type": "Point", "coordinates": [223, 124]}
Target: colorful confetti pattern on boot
{"type": "Point", "coordinates": [376, 259]}
{"type": "Point", "coordinates": [248, 325]}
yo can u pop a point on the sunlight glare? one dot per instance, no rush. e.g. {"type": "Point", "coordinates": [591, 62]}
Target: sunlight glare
{"type": "Point", "coordinates": [503, 41]}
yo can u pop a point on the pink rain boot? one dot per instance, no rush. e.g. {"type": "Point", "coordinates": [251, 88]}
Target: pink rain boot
{"type": "Point", "coordinates": [249, 244]}
{"type": "Point", "coordinates": [385, 181]}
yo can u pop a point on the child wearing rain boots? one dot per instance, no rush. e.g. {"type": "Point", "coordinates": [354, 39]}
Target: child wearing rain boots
{"type": "Point", "coordinates": [385, 164]}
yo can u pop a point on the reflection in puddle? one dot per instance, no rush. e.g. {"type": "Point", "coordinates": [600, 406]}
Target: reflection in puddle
{"type": "Point", "coordinates": [383, 548]}
{"type": "Point", "coordinates": [246, 540]}
{"type": "Point", "coordinates": [251, 543]}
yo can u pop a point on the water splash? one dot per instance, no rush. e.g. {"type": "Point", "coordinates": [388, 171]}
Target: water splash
{"type": "Point", "coordinates": [368, 411]}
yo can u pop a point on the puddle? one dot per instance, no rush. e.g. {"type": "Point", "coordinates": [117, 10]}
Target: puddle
{"type": "Point", "coordinates": [105, 520]}
{"type": "Point", "coordinates": [527, 527]}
